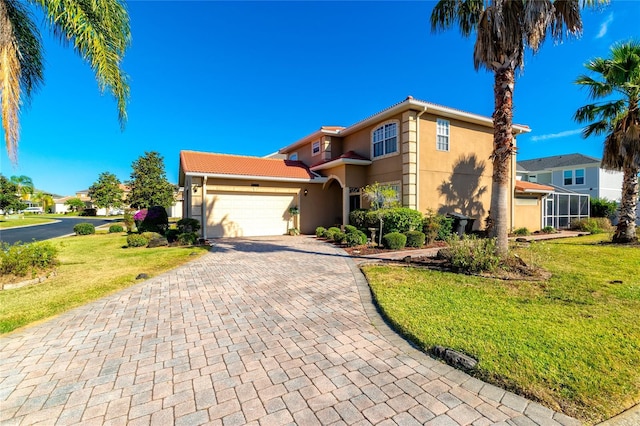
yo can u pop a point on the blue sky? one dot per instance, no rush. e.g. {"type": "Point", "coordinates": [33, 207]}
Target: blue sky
{"type": "Point", "coordinates": [252, 77]}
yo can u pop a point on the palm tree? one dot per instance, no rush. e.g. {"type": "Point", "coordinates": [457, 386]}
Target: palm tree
{"type": "Point", "coordinates": [619, 119]}
{"type": "Point", "coordinates": [505, 28]}
{"type": "Point", "coordinates": [45, 200]}
{"type": "Point", "coordinates": [24, 185]}
{"type": "Point", "coordinates": [97, 29]}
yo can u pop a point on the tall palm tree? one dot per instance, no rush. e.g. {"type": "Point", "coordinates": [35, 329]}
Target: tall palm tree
{"type": "Point", "coordinates": [45, 200]}
{"type": "Point", "coordinates": [24, 184]}
{"type": "Point", "coordinates": [97, 29]}
{"type": "Point", "coordinates": [619, 119]}
{"type": "Point", "coordinates": [505, 28]}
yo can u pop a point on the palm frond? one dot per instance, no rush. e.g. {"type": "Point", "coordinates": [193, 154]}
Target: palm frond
{"type": "Point", "coordinates": [99, 31]}
{"type": "Point", "coordinates": [464, 13]}
{"type": "Point", "coordinates": [536, 19]}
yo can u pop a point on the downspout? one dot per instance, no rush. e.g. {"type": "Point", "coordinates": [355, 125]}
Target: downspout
{"type": "Point", "coordinates": [424, 109]}
{"type": "Point", "coordinates": [204, 207]}
{"type": "Point", "coordinates": [512, 186]}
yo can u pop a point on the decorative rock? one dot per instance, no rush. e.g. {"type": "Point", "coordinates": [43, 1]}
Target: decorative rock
{"type": "Point", "coordinates": [455, 358]}
{"type": "Point", "coordinates": [142, 276]}
{"type": "Point", "coordinates": [406, 259]}
{"type": "Point", "coordinates": [158, 242]}
{"type": "Point", "coordinates": [521, 240]}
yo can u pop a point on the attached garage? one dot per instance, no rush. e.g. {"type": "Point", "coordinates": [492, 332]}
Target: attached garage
{"type": "Point", "coordinates": [240, 196]}
{"type": "Point", "coordinates": [242, 214]}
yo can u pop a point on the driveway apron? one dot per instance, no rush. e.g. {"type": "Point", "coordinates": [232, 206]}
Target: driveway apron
{"type": "Point", "coordinates": [261, 331]}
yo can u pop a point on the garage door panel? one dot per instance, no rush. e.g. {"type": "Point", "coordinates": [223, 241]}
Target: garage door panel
{"type": "Point", "coordinates": [241, 214]}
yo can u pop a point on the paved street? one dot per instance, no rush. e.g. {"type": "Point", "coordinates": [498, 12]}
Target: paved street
{"type": "Point", "coordinates": [263, 331]}
{"type": "Point", "coordinates": [62, 226]}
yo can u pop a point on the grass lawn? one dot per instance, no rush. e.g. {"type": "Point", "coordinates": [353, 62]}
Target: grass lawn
{"type": "Point", "coordinates": [90, 267]}
{"type": "Point", "coordinates": [29, 219]}
{"type": "Point", "coordinates": [572, 342]}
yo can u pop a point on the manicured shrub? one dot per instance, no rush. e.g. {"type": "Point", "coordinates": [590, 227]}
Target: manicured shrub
{"type": "Point", "coordinates": [115, 229]}
{"type": "Point", "coordinates": [172, 234]}
{"type": "Point", "coordinates": [339, 237]}
{"type": "Point", "coordinates": [188, 225]}
{"type": "Point", "coordinates": [187, 238]}
{"type": "Point", "coordinates": [356, 238]}
{"type": "Point", "coordinates": [136, 240]}
{"type": "Point", "coordinates": [415, 238]}
{"type": "Point", "coordinates": [128, 220]}
{"type": "Point", "coordinates": [320, 230]}
{"type": "Point", "coordinates": [84, 229]}
{"type": "Point", "coordinates": [328, 234]}
{"type": "Point", "coordinates": [358, 218]}
{"type": "Point", "coordinates": [394, 240]}
{"type": "Point", "coordinates": [349, 229]}
{"type": "Point", "coordinates": [521, 232]}
{"type": "Point", "coordinates": [397, 219]}
{"type": "Point", "coordinates": [155, 220]}
{"type": "Point", "coordinates": [548, 230]}
{"type": "Point", "coordinates": [21, 259]}
{"type": "Point", "coordinates": [472, 255]}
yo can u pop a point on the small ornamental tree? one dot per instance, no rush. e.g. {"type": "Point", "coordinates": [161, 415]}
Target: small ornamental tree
{"type": "Point", "coordinates": [75, 204]}
{"type": "Point", "coordinates": [381, 196]}
{"type": "Point", "coordinates": [106, 192]}
{"type": "Point", "coordinates": [9, 199]}
{"type": "Point", "coordinates": [149, 185]}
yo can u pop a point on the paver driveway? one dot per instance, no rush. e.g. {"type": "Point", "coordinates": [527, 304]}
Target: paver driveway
{"type": "Point", "coordinates": [263, 331]}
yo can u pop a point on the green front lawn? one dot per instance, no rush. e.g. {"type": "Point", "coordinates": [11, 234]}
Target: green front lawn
{"type": "Point", "coordinates": [572, 342]}
{"type": "Point", "coordinates": [91, 267]}
{"type": "Point", "coordinates": [13, 221]}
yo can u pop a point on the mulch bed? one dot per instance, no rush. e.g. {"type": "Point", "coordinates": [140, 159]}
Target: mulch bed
{"type": "Point", "coordinates": [366, 250]}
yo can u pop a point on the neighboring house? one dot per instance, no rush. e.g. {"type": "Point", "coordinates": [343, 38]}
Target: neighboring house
{"type": "Point", "coordinates": [436, 157]}
{"type": "Point", "coordinates": [573, 172]}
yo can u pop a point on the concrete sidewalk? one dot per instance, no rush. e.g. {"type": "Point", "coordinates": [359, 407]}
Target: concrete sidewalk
{"type": "Point", "coordinates": [264, 331]}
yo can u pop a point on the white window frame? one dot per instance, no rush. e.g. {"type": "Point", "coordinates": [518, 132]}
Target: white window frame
{"type": "Point", "coordinates": [443, 134]}
{"type": "Point", "coordinates": [315, 148]}
{"type": "Point", "coordinates": [575, 177]}
{"type": "Point", "coordinates": [385, 139]}
{"type": "Point", "coordinates": [564, 177]}
{"type": "Point", "coordinates": [293, 156]}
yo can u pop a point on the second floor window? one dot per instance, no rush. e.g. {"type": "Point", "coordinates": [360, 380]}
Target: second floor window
{"type": "Point", "coordinates": [315, 148]}
{"type": "Point", "coordinates": [442, 135]}
{"type": "Point", "coordinates": [573, 177]}
{"type": "Point", "coordinates": [293, 157]}
{"type": "Point", "coordinates": [385, 140]}
{"type": "Point", "coordinates": [580, 177]}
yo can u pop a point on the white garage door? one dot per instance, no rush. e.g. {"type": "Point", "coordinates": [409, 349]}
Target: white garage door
{"type": "Point", "coordinates": [247, 215]}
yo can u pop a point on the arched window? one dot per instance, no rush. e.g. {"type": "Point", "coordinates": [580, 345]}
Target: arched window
{"type": "Point", "coordinates": [384, 139]}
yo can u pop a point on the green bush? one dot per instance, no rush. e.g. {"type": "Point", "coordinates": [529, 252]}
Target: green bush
{"type": "Point", "coordinates": [188, 225]}
{"type": "Point", "coordinates": [395, 240]}
{"type": "Point", "coordinates": [548, 230]}
{"type": "Point", "coordinates": [328, 234]}
{"type": "Point", "coordinates": [397, 219]}
{"type": "Point", "coordinates": [521, 232]}
{"type": "Point", "coordinates": [437, 226]}
{"type": "Point", "coordinates": [155, 220]}
{"type": "Point", "coordinates": [187, 238]}
{"type": "Point", "coordinates": [601, 207]}
{"type": "Point", "coordinates": [415, 238]}
{"type": "Point", "coordinates": [136, 240]}
{"type": "Point", "coordinates": [84, 229]}
{"type": "Point", "coordinates": [172, 234]}
{"type": "Point", "coordinates": [320, 230]}
{"type": "Point", "coordinates": [594, 225]}
{"type": "Point", "coordinates": [356, 238]}
{"type": "Point", "coordinates": [20, 259]}
{"type": "Point", "coordinates": [339, 237]}
{"type": "Point", "coordinates": [349, 229]}
{"type": "Point", "coordinates": [472, 255]}
{"type": "Point", "coordinates": [115, 229]}
{"type": "Point", "coordinates": [358, 218]}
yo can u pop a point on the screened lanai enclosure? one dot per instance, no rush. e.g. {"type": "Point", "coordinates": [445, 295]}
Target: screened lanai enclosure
{"type": "Point", "coordinates": [563, 207]}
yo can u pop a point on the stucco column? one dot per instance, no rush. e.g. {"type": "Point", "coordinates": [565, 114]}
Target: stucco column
{"type": "Point", "coordinates": [187, 197]}
{"type": "Point", "coordinates": [345, 205]}
{"type": "Point", "coordinates": [409, 144]}
{"type": "Point", "coordinates": [204, 207]}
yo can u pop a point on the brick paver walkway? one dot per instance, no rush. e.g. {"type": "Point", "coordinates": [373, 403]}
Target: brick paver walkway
{"type": "Point", "coordinates": [262, 331]}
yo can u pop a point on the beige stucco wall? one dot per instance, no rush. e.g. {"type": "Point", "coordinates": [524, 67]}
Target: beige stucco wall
{"type": "Point", "coordinates": [528, 213]}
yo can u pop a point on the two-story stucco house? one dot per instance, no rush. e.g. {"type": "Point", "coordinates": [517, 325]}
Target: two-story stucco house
{"type": "Point", "coordinates": [435, 157]}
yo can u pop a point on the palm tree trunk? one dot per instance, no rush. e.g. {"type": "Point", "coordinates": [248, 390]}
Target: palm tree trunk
{"type": "Point", "coordinates": [626, 229]}
{"type": "Point", "coordinates": [503, 149]}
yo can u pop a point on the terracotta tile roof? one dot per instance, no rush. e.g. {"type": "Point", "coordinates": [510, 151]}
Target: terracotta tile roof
{"type": "Point", "coordinates": [351, 155]}
{"type": "Point", "coordinates": [523, 186]}
{"type": "Point", "coordinates": [225, 164]}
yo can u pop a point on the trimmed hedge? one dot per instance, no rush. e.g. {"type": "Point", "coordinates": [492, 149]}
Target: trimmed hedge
{"type": "Point", "coordinates": [20, 259]}
{"type": "Point", "coordinates": [136, 240]}
{"type": "Point", "coordinates": [415, 238]}
{"type": "Point", "coordinates": [356, 238]}
{"type": "Point", "coordinates": [320, 230]}
{"type": "Point", "coordinates": [395, 240]}
{"type": "Point", "coordinates": [115, 229]}
{"type": "Point", "coordinates": [84, 228]}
